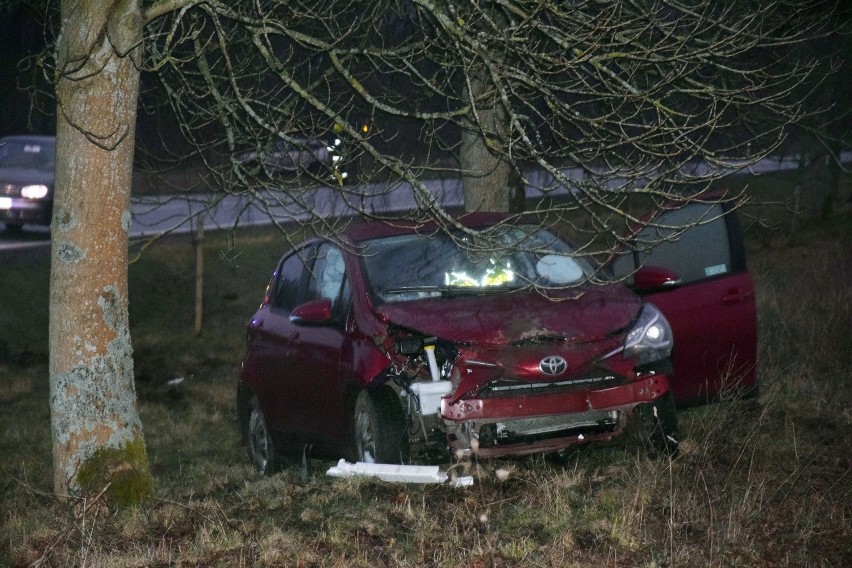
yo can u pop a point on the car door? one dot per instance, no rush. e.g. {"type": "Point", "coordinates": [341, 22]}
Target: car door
{"type": "Point", "coordinates": [271, 336]}
{"type": "Point", "coordinates": [712, 308]}
{"type": "Point", "coordinates": [315, 362]}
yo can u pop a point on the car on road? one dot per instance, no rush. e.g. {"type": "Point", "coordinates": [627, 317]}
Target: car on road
{"type": "Point", "coordinates": [27, 165]}
{"type": "Point", "coordinates": [315, 156]}
{"type": "Point", "coordinates": [398, 342]}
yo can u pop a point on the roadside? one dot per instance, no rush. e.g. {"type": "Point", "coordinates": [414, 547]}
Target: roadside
{"type": "Point", "coordinates": [758, 483]}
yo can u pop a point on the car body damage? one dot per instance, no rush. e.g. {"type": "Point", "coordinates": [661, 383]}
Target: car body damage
{"type": "Point", "coordinates": [517, 389]}
{"type": "Point", "coordinates": [394, 343]}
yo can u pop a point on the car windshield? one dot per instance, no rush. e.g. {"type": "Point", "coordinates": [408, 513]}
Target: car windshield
{"type": "Point", "coordinates": [410, 267]}
{"type": "Point", "coordinates": [32, 155]}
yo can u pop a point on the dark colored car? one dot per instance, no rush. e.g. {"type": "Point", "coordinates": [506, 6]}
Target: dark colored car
{"type": "Point", "coordinates": [26, 180]}
{"type": "Point", "coordinates": [319, 157]}
{"type": "Point", "coordinates": [392, 343]}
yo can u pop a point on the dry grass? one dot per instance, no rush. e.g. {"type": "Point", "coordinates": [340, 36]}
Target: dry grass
{"type": "Point", "coordinates": [764, 482]}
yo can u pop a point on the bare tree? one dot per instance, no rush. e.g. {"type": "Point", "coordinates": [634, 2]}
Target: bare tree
{"type": "Point", "coordinates": [97, 434]}
{"type": "Point", "coordinates": [589, 105]}
{"type": "Point", "coordinates": [827, 131]}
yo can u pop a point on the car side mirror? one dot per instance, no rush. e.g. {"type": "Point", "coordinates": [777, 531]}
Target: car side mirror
{"type": "Point", "coordinates": [655, 279]}
{"type": "Point", "coordinates": [315, 312]}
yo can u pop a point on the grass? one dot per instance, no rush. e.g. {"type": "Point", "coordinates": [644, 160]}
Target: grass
{"type": "Point", "coordinates": [764, 482]}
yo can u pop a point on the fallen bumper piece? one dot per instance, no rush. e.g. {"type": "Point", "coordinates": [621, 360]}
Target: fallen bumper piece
{"type": "Point", "coordinates": [396, 473]}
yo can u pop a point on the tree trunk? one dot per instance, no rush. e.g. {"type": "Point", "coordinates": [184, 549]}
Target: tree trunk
{"type": "Point", "coordinates": [97, 433]}
{"type": "Point", "coordinates": [832, 191]}
{"type": "Point", "coordinates": [490, 181]}
{"type": "Point", "coordinates": [199, 275]}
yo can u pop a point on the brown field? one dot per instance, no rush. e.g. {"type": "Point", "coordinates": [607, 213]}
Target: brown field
{"type": "Point", "coordinates": [762, 482]}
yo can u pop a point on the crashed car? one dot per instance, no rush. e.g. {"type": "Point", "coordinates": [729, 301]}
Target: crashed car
{"type": "Point", "coordinates": [398, 342]}
{"type": "Point", "coordinates": [27, 165]}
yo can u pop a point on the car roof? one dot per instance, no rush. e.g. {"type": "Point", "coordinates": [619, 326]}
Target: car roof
{"type": "Point", "coordinates": [388, 228]}
{"type": "Point", "coordinates": [42, 139]}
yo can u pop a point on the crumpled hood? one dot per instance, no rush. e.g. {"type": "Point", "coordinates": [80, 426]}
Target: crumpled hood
{"type": "Point", "coordinates": [580, 314]}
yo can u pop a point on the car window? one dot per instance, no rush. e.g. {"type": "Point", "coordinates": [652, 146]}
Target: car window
{"type": "Point", "coordinates": [414, 266]}
{"type": "Point", "coordinates": [291, 274]}
{"type": "Point", "coordinates": [700, 252]}
{"type": "Point", "coordinates": [326, 274]}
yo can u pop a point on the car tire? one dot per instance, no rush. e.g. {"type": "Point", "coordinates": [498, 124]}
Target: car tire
{"type": "Point", "coordinates": [657, 425]}
{"type": "Point", "coordinates": [378, 428]}
{"type": "Point", "coordinates": [263, 454]}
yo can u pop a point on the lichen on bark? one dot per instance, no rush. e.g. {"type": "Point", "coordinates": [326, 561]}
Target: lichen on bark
{"type": "Point", "coordinates": [122, 471]}
{"type": "Point", "coordinates": [70, 253]}
{"type": "Point", "coordinates": [93, 411]}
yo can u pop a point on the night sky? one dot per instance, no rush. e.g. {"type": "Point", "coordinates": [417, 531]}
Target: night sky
{"type": "Point", "coordinates": [26, 101]}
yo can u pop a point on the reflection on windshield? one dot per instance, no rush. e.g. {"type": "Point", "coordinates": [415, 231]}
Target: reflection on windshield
{"type": "Point", "coordinates": [410, 267]}
{"type": "Point", "coordinates": [495, 274]}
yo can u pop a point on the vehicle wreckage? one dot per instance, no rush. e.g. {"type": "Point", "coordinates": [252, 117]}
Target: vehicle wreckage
{"type": "Point", "coordinates": [394, 343]}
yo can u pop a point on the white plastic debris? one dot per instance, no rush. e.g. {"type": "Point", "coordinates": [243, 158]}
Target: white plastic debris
{"type": "Point", "coordinates": [465, 481]}
{"type": "Point", "coordinates": [396, 473]}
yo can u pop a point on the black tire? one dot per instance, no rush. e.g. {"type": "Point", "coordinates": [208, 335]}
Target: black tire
{"type": "Point", "coordinates": [263, 454]}
{"type": "Point", "coordinates": [378, 428]}
{"type": "Point", "coordinates": [656, 425]}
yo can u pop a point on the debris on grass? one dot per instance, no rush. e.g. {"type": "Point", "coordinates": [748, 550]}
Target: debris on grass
{"type": "Point", "coordinates": [395, 473]}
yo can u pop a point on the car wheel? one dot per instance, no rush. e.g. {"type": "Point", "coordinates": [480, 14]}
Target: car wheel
{"type": "Point", "coordinates": [378, 427]}
{"type": "Point", "coordinates": [261, 448]}
{"type": "Point", "coordinates": [657, 425]}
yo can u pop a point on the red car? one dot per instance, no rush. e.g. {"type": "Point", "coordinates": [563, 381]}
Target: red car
{"type": "Point", "coordinates": [397, 342]}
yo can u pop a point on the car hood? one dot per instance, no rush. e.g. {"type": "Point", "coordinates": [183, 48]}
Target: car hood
{"type": "Point", "coordinates": [577, 315]}
{"type": "Point", "coordinates": [25, 176]}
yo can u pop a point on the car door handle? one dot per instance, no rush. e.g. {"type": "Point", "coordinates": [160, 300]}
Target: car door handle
{"type": "Point", "coordinates": [736, 295]}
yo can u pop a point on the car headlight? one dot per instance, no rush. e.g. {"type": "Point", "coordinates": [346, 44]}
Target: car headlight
{"type": "Point", "coordinates": [34, 191]}
{"type": "Point", "coordinates": [650, 339]}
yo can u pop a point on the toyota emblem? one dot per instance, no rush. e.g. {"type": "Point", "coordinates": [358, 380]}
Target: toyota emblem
{"type": "Point", "coordinates": [553, 365]}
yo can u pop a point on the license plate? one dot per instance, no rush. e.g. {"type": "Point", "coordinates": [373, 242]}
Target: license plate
{"type": "Point", "coordinates": [5, 202]}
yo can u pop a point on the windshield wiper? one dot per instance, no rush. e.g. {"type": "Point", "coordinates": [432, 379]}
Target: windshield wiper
{"type": "Point", "coordinates": [475, 290]}
{"type": "Point", "coordinates": [448, 290]}
{"type": "Point", "coordinates": [411, 289]}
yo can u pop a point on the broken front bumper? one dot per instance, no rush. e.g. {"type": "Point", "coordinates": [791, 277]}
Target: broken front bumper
{"type": "Point", "coordinates": [545, 422]}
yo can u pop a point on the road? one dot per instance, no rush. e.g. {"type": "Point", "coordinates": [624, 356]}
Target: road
{"type": "Point", "coordinates": [178, 214]}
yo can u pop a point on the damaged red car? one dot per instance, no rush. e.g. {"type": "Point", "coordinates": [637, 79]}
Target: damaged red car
{"type": "Point", "coordinates": [393, 343]}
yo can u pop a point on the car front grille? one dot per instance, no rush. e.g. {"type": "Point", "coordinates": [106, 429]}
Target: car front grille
{"type": "Point", "coordinates": [507, 388]}
{"type": "Point", "coordinates": [544, 427]}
